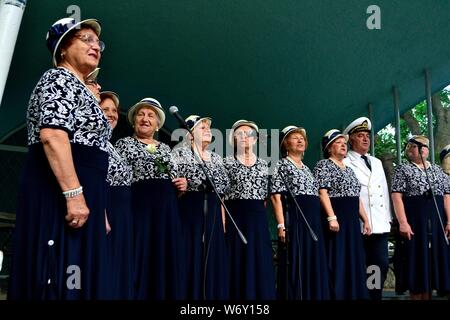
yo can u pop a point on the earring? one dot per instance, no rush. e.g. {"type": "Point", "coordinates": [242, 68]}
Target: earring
{"type": "Point", "coordinates": [157, 130]}
{"type": "Point", "coordinates": [62, 55]}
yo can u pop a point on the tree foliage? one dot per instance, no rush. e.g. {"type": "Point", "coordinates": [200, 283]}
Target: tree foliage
{"type": "Point", "coordinates": [415, 121]}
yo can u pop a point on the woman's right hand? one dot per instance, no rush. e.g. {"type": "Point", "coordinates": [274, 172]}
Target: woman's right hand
{"type": "Point", "coordinates": [406, 231]}
{"type": "Point", "coordinates": [77, 211]}
{"type": "Point", "coordinates": [333, 225]}
{"type": "Point", "coordinates": [282, 234]}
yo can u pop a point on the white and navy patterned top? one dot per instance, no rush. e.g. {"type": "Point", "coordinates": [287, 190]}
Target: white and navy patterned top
{"type": "Point", "coordinates": [339, 182]}
{"type": "Point", "coordinates": [247, 182]}
{"type": "Point", "coordinates": [61, 101]}
{"type": "Point", "coordinates": [146, 165]}
{"type": "Point", "coordinates": [301, 181]}
{"type": "Point", "coordinates": [410, 180]}
{"type": "Point", "coordinates": [119, 172]}
{"type": "Point", "coordinates": [189, 167]}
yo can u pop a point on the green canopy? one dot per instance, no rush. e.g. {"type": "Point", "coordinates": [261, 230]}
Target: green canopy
{"type": "Point", "coordinates": [277, 62]}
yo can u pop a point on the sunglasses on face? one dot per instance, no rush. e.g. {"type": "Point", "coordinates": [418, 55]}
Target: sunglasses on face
{"type": "Point", "coordinates": [249, 134]}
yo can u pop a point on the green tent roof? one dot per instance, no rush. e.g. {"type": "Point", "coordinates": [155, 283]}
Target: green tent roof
{"type": "Point", "coordinates": [306, 62]}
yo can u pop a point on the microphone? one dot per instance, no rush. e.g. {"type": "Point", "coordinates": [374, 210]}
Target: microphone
{"type": "Point", "coordinates": [420, 145]}
{"type": "Point", "coordinates": [174, 111]}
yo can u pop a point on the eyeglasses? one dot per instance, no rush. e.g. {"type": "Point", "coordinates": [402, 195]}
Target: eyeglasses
{"type": "Point", "coordinates": [249, 134]}
{"type": "Point", "coordinates": [90, 40]}
{"type": "Point", "coordinates": [92, 82]}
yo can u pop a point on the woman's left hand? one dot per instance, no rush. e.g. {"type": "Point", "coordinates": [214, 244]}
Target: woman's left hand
{"type": "Point", "coordinates": [180, 184]}
{"type": "Point", "coordinates": [366, 229]}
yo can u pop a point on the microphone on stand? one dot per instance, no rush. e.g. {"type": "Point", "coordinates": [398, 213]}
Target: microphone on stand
{"type": "Point", "coordinates": [419, 144]}
{"type": "Point", "coordinates": [174, 111]}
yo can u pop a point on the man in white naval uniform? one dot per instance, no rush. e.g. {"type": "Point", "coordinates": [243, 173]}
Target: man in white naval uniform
{"type": "Point", "coordinates": [376, 200]}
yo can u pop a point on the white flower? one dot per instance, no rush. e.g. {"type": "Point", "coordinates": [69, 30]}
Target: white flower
{"type": "Point", "coordinates": [151, 148]}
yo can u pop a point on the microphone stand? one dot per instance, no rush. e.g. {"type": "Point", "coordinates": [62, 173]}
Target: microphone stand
{"type": "Point", "coordinates": [288, 188]}
{"type": "Point", "coordinates": [205, 171]}
{"type": "Point", "coordinates": [429, 221]}
{"type": "Point", "coordinates": [311, 232]}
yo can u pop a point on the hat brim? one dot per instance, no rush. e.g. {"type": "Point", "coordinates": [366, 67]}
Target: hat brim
{"type": "Point", "coordinates": [292, 130]}
{"type": "Point", "coordinates": [337, 136]}
{"type": "Point", "coordinates": [208, 119]}
{"type": "Point", "coordinates": [445, 155]}
{"type": "Point", "coordinates": [358, 122]}
{"type": "Point", "coordinates": [243, 123]}
{"type": "Point", "coordinates": [160, 113]}
{"type": "Point", "coordinates": [112, 95]}
{"type": "Point", "coordinates": [93, 75]}
{"type": "Point", "coordinates": [92, 23]}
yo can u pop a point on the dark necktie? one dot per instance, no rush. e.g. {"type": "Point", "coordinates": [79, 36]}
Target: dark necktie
{"type": "Point", "coordinates": [366, 160]}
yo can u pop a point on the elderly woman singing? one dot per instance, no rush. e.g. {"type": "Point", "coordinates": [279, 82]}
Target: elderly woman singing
{"type": "Point", "coordinates": [60, 236]}
{"type": "Point", "coordinates": [159, 267]}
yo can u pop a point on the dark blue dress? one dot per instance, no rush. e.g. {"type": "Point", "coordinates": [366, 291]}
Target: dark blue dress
{"type": "Point", "coordinates": [345, 249]}
{"type": "Point", "coordinates": [52, 260]}
{"type": "Point", "coordinates": [307, 265]}
{"type": "Point", "coordinates": [203, 231]}
{"type": "Point", "coordinates": [252, 274]}
{"type": "Point", "coordinates": [158, 259]}
{"type": "Point", "coordinates": [120, 239]}
{"type": "Point", "coordinates": [422, 267]}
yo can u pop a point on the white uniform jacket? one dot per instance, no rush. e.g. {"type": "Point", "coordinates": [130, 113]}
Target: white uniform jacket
{"type": "Point", "coordinates": [374, 190]}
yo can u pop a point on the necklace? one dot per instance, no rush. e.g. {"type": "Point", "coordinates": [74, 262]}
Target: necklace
{"type": "Point", "coordinates": [251, 159]}
{"type": "Point", "coordinates": [299, 165]}
{"type": "Point", "coordinates": [340, 164]}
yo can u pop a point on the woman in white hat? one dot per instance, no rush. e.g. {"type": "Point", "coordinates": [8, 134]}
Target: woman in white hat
{"type": "Point", "coordinates": [251, 266]}
{"type": "Point", "coordinates": [159, 270]}
{"type": "Point", "coordinates": [307, 270]}
{"type": "Point", "coordinates": [63, 182]}
{"type": "Point", "coordinates": [339, 191]}
{"type": "Point", "coordinates": [203, 227]}
{"type": "Point", "coordinates": [119, 212]}
{"type": "Point", "coordinates": [445, 159]}
{"type": "Point", "coordinates": [416, 213]}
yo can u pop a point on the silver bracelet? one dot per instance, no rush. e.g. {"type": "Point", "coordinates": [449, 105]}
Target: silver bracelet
{"type": "Point", "coordinates": [73, 193]}
{"type": "Point", "coordinates": [280, 225]}
{"type": "Point", "coordinates": [331, 218]}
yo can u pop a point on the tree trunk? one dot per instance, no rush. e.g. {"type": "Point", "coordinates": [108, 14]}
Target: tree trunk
{"type": "Point", "coordinates": [388, 160]}
{"type": "Point", "coordinates": [411, 122]}
{"type": "Point", "coordinates": [442, 126]}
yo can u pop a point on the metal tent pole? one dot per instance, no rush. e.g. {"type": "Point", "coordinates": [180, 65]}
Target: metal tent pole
{"type": "Point", "coordinates": [11, 12]}
{"type": "Point", "coordinates": [429, 114]}
{"type": "Point", "coordinates": [372, 131]}
{"type": "Point", "coordinates": [397, 124]}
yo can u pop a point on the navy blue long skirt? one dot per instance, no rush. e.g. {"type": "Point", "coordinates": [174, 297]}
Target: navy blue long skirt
{"type": "Point", "coordinates": [120, 242]}
{"type": "Point", "coordinates": [204, 247]}
{"type": "Point", "coordinates": [345, 252]}
{"type": "Point", "coordinates": [52, 260]}
{"type": "Point", "coordinates": [252, 274]}
{"type": "Point", "coordinates": [307, 277]}
{"type": "Point", "coordinates": [419, 272]}
{"type": "Point", "coordinates": [159, 264]}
